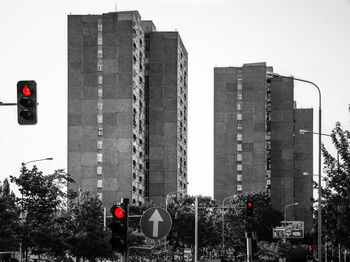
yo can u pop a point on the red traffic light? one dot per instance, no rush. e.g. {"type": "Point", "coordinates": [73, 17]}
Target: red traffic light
{"type": "Point", "coordinates": [250, 204]}
{"type": "Point", "coordinates": [310, 249]}
{"type": "Point", "coordinates": [26, 91]}
{"type": "Point", "coordinates": [117, 212]}
{"type": "Point", "coordinates": [329, 247]}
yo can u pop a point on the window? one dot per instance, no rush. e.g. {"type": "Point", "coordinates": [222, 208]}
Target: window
{"type": "Point", "coordinates": [134, 149]}
{"type": "Point", "coordinates": [239, 178]}
{"type": "Point", "coordinates": [140, 179]}
{"type": "Point", "coordinates": [239, 105]}
{"type": "Point", "coordinates": [99, 119]}
{"type": "Point", "coordinates": [140, 191]}
{"type": "Point", "coordinates": [99, 105]}
{"type": "Point", "coordinates": [239, 95]}
{"type": "Point", "coordinates": [239, 137]}
{"type": "Point", "coordinates": [133, 189]}
{"type": "Point", "coordinates": [268, 181]}
{"type": "Point", "coordinates": [100, 131]}
{"type": "Point", "coordinates": [99, 52]}
{"type": "Point", "coordinates": [239, 86]}
{"type": "Point", "coordinates": [99, 38]}
{"type": "Point", "coordinates": [99, 183]}
{"type": "Point", "coordinates": [140, 166]}
{"type": "Point", "coordinates": [239, 167]}
{"type": "Point", "coordinates": [134, 137]}
{"type": "Point", "coordinates": [239, 147]}
{"type": "Point", "coordinates": [99, 144]}
{"type": "Point", "coordinates": [100, 92]}
{"type": "Point", "coordinates": [99, 65]}
{"type": "Point", "coordinates": [99, 27]}
{"type": "Point", "coordinates": [100, 80]}
{"type": "Point", "coordinates": [239, 77]}
{"type": "Point", "coordinates": [239, 157]}
{"type": "Point", "coordinates": [133, 175]}
{"type": "Point", "coordinates": [99, 170]}
{"type": "Point", "coordinates": [239, 187]}
{"type": "Point", "coordinates": [134, 163]}
{"type": "Point", "coordinates": [140, 154]}
{"type": "Point", "coordinates": [99, 157]}
{"type": "Point", "coordinates": [239, 126]}
{"type": "Point", "coordinates": [239, 116]}
{"type": "Point", "coordinates": [99, 196]}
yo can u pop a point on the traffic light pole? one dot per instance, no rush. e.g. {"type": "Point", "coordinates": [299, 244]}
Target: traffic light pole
{"type": "Point", "coordinates": [7, 104]}
{"type": "Point", "coordinates": [249, 246]}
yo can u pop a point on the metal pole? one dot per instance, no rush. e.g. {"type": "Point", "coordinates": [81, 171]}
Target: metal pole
{"type": "Point", "coordinates": [196, 230]}
{"type": "Point", "coordinates": [339, 252]}
{"type": "Point", "coordinates": [249, 247]}
{"type": "Point", "coordinates": [104, 218]}
{"type": "Point", "coordinates": [319, 229]}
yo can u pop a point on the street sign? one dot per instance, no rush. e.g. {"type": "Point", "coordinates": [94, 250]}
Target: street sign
{"type": "Point", "coordinates": [294, 229]}
{"type": "Point", "coordinates": [278, 232]}
{"type": "Point", "coordinates": [155, 223]}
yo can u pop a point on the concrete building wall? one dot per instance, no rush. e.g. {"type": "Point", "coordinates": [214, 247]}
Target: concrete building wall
{"type": "Point", "coordinates": [165, 114]}
{"type": "Point", "coordinates": [253, 127]}
{"type": "Point", "coordinates": [303, 163]}
{"type": "Point", "coordinates": [282, 143]}
{"type": "Point", "coordinates": [256, 141]}
{"type": "Point", "coordinates": [127, 108]}
{"type": "Point", "coordinates": [104, 156]}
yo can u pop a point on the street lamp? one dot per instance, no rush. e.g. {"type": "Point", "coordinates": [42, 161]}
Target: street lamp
{"type": "Point", "coordinates": [319, 217]}
{"type": "Point", "coordinates": [166, 197]}
{"type": "Point", "coordinates": [285, 210]}
{"type": "Point", "coordinates": [223, 223]}
{"type": "Point", "coordinates": [43, 159]}
{"type": "Point", "coordinates": [303, 132]}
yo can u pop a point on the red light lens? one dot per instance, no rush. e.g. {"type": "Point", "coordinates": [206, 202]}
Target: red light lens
{"type": "Point", "coordinates": [250, 204]}
{"type": "Point", "coordinates": [310, 249]}
{"type": "Point", "coordinates": [26, 91]}
{"type": "Point", "coordinates": [118, 212]}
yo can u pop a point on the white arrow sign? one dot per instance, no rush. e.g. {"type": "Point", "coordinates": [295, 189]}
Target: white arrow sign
{"type": "Point", "coordinates": [155, 218]}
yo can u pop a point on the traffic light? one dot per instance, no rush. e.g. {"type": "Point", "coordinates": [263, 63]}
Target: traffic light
{"type": "Point", "coordinates": [26, 102]}
{"type": "Point", "coordinates": [250, 209]}
{"type": "Point", "coordinates": [119, 227]}
{"type": "Point", "coordinates": [329, 250]}
{"type": "Point", "coordinates": [309, 254]}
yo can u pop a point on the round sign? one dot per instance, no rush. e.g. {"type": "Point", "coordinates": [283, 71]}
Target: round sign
{"type": "Point", "coordinates": [155, 223]}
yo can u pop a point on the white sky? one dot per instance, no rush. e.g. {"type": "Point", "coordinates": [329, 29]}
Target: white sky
{"type": "Point", "coordinates": [307, 39]}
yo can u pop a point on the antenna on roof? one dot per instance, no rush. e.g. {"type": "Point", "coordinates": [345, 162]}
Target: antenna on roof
{"type": "Point", "coordinates": [115, 5]}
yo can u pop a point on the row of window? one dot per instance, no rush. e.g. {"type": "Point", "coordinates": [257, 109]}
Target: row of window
{"type": "Point", "coordinates": [239, 157]}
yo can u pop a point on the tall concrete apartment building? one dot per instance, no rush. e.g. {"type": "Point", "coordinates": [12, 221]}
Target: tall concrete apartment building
{"type": "Point", "coordinates": [257, 144]}
{"type": "Point", "coordinates": [127, 108]}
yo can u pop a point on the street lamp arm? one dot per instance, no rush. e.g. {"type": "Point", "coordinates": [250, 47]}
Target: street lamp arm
{"type": "Point", "coordinates": [48, 158]}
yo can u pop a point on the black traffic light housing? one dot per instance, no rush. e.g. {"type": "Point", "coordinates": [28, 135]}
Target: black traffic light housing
{"type": "Point", "coordinates": [26, 102]}
{"type": "Point", "coordinates": [119, 227]}
{"type": "Point", "coordinates": [309, 253]}
{"type": "Point", "coordinates": [250, 209]}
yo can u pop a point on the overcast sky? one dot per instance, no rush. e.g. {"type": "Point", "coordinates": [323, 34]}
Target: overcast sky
{"type": "Point", "coordinates": [307, 39]}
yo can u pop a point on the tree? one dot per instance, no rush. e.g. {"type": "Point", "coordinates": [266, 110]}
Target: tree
{"type": "Point", "coordinates": [182, 211]}
{"type": "Point", "coordinates": [87, 238]}
{"type": "Point", "coordinates": [9, 218]}
{"type": "Point", "coordinates": [335, 195]}
{"type": "Point", "coordinates": [236, 221]}
{"type": "Point", "coordinates": [42, 198]}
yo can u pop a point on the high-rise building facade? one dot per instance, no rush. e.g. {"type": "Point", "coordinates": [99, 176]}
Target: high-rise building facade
{"type": "Point", "coordinates": [257, 144]}
{"type": "Point", "coordinates": [110, 107]}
